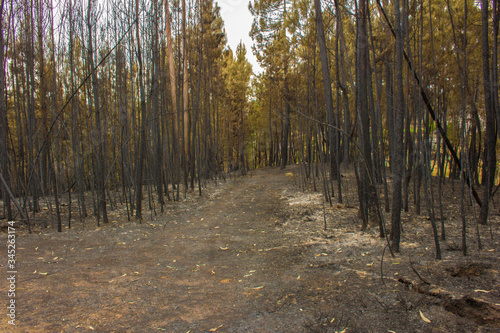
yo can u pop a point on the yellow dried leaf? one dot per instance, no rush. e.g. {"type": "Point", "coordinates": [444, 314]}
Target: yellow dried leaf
{"type": "Point", "coordinates": [482, 291]}
{"type": "Point", "coordinates": [216, 328]}
{"type": "Point", "coordinates": [424, 318]}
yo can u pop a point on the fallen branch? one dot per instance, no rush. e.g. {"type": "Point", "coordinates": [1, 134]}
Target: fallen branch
{"type": "Point", "coordinates": [427, 289]}
{"type": "Point", "coordinates": [9, 192]}
{"type": "Point", "coordinates": [416, 272]}
{"type": "Point", "coordinates": [480, 311]}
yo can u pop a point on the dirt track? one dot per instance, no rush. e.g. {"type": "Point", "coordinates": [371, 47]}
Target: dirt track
{"type": "Point", "coordinates": [224, 264]}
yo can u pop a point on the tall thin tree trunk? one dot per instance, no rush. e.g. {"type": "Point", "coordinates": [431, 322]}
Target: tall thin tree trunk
{"type": "Point", "coordinates": [286, 123]}
{"type": "Point", "coordinates": [185, 100]}
{"type": "Point", "coordinates": [464, 160]}
{"type": "Point", "coordinates": [158, 172]}
{"type": "Point", "coordinates": [99, 140]}
{"type": "Point", "coordinates": [494, 62]}
{"type": "Point", "coordinates": [75, 141]}
{"type": "Point", "coordinates": [4, 124]}
{"type": "Point", "coordinates": [398, 165]}
{"type": "Point", "coordinates": [490, 139]}
{"type": "Point", "coordinates": [31, 116]}
{"type": "Point", "coordinates": [173, 93]}
{"type": "Point", "coordinates": [142, 139]}
{"type": "Point", "coordinates": [327, 86]}
{"type": "Point", "coordinates": [368, 199]}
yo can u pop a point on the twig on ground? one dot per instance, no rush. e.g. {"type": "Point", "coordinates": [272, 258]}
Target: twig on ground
{"type": "Point", "coordinates": [416, 272]}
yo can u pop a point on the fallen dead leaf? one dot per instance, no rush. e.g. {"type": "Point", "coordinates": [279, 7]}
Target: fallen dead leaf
{"type": "Point", "coordinates": [424, 318]}
{"type": "Point", "coordinates": [216, 328]}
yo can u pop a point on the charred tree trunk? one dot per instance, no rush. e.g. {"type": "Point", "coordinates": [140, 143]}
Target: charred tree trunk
{"type": "Point", "coordinates": [4, 125]}
{"type": "Point", "coordinates": [397, 165]}
{"type": "Point", "coordinates": [141, 155]}
{"type": "Point", "coordinates": [491, 135]}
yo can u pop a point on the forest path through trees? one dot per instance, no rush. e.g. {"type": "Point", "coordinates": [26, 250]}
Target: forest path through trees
{"type": "Point", "coordinates": [231, 261]}
{"type": "Point", "coordinates": [218, 262]}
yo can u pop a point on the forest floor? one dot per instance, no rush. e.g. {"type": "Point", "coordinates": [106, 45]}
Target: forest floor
{"type": "Point", "coordinates": [252, 255]}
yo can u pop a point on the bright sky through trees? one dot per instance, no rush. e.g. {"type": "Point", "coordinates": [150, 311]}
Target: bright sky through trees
{"type": "Point", "coordinates": [238, 21]}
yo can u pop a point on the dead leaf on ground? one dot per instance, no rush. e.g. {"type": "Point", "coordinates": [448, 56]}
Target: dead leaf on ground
{"type": "Point", "coordinates": [424, 318]}
{"type": "Point", "coordinates": [216, 328]}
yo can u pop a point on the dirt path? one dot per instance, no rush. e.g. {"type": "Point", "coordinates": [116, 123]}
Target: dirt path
{"type": "Point", "coordinates": [221, 264]}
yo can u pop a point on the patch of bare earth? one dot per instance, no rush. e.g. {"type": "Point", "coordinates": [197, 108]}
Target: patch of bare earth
{"type": "Point", "coordinates": [253, 256]}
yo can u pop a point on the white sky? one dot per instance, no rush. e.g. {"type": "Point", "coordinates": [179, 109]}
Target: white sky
{"type": "Point", "coordinates": [238, 22]}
